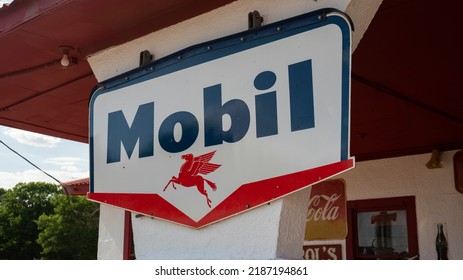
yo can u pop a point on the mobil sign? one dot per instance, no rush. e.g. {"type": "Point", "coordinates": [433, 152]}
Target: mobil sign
{"type": "Point", "coordinates": [225, 126]}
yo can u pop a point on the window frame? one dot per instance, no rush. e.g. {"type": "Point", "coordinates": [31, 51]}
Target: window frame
{"type": "Point", "coordinates": [354, 207]}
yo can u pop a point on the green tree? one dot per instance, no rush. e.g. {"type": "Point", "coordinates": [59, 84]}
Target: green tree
{"type": "Point", "coordinates": [2, 192]}
{"type": "Point", "coordinates": [71, 232]}
{"type": "Point", "coordinates": [20, 207]}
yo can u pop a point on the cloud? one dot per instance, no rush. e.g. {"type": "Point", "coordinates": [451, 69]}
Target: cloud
{"type": "Point", "coordinates": [10, 179]}
{"type": "Point", "coordinates": [64, 160]}
{"type": "Point", "coordinates": [64, 168]}
{"type": "Point", "coordinates": [31, 138]}
{"type": "Point", "coordinates": [70, 168]}
{"type": "Point", "coordinates": [67, 169]}
{"type": "Point", "coordinates": [2, 2]}
{"type": "Point", "coordinates": [69, 164]}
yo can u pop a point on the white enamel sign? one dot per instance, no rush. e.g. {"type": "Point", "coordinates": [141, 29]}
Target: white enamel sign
{"type": "Point", "coordinates": [225, 126]}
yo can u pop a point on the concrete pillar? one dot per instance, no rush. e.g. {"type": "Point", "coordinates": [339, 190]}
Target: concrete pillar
{"type": "Point", "coordinates": [272, 231]}
{"type": "Point", "coordinates": [111, 233]}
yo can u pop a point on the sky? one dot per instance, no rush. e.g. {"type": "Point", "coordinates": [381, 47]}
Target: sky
{"type": "Point", "coordinates": [63, 159]}
{"type": "Point", "coordinates": [5, 2]}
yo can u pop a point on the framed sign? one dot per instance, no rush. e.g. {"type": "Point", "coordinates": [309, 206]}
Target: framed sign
{"type": "Point", "coordinates": [228, 125]}
{"type": "Point", "coordinates": [382, 228]}
{"type": "Point", "coordinates": [327, 213]}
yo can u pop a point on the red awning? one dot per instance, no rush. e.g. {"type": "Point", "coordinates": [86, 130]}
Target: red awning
{"type": "Point", "coordinates": [20, 12]}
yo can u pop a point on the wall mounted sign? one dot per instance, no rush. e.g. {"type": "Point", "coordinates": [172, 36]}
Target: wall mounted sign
{"type": "Point", "coordinates": [323, 252]}
{"type": "Point", "coordinates": [225, 126]}
{"type": "Point", "coordinates": [327, 215]}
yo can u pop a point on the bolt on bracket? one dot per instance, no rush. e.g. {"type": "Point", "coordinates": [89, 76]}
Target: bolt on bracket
{"type": "Point", "coordinates": [145, 58]}
{"type": "Point", "coordinates": [254, 20]}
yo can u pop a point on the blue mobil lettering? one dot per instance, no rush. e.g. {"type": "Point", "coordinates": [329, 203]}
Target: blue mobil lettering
{"type": "Point", "coordinates": [142, 128]}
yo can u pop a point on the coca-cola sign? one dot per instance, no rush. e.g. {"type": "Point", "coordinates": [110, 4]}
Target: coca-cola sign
{"type": "Point", "coordinates": [326, 216]}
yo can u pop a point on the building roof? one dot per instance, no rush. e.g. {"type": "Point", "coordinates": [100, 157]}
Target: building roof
{"type": "Point", "coordinates": [77, 187]}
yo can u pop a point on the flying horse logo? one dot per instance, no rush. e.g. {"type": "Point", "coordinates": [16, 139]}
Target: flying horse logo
{"type": "Point", "coordinates": [188, 175]}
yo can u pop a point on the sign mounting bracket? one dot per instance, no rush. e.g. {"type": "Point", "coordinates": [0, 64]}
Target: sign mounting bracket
{"type": "Point", "coordinates": [254, 20]}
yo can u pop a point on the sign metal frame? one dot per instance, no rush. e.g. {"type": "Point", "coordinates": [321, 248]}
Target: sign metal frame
{"type": "Point", "coordinates": [261, 191]}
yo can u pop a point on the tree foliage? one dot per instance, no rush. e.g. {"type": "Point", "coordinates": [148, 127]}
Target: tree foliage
{"type": "Point", "coordinates": [2, 192]}
{"type": "Point", "coordinates": [38, 221]}
{"type": "Point", "coordinates": [19, 208]}
{"type": "Point", "coordinates": [71, 232]}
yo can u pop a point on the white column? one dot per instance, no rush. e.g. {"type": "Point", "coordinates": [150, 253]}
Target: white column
{"type": "Point", "coordinates": [111, 233]}
{"type": "Point", "coordinates": [272, 231]}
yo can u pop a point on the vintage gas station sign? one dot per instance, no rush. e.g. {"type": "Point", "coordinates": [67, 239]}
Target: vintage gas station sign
{"type": "Point", "coordinates": [227, 125]}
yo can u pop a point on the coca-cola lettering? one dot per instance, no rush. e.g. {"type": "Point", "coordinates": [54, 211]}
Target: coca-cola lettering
{"type": "Point", "coordinates": [322, 207]}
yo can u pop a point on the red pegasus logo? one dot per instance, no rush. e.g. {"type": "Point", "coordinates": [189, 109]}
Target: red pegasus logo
{"type": "Point", "coordinates": [188, 174]}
